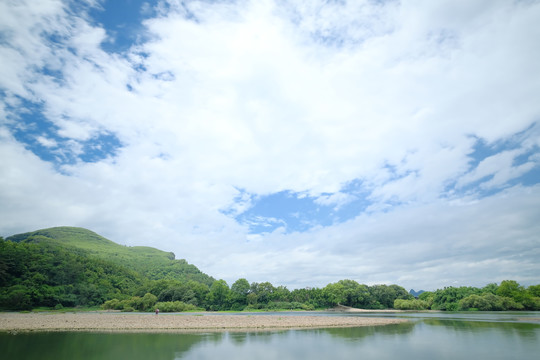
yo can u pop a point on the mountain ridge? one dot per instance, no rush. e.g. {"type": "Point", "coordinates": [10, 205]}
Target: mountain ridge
{"type": "Point", "coordinates": [416, 293]}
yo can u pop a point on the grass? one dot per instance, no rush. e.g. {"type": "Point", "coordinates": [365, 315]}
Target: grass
{"type": "Point", "coordinates": [93, 243]}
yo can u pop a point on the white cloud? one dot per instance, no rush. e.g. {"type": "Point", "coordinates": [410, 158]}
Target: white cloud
{"type": "Point", "coordinates": [265, 97]}
{"type": "Point", "coordinates": [499, 167]}
{"type": "Point", "coordinates": [337, 199]}
{"type": "Point", "coordinates": [428, 246]}
{"type": "Point", "coordinates": [44, 141]}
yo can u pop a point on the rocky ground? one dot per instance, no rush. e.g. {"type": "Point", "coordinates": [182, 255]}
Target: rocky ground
{"type": "Point", "coordinates": [113, 321]}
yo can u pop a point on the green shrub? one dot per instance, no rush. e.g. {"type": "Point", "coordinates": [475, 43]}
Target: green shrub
{"type": "Point", "coordinates": [113, 304]}
{"type": "Point", "coordinates": [489, 302]}
{"type": "Point", "coordinates": [402, 304]}
{"type": "Point", "coordinates": [16, 297]}
{"type": "Point", "coordinates": [176, 306]}
{"type": "Point", "coordinates": [280, 305]}
{"type": "Point", "coordinates": [237, 307]}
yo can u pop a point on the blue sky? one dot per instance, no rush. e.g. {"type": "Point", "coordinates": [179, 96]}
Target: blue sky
{"type": "Point", "coordinates": [283, 141]}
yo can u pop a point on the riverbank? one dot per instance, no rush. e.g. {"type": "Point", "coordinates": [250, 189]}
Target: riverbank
{"type": "Point", "coordinates": [347, 309]}
{"type": "Point", "coordinates": [145, 322]}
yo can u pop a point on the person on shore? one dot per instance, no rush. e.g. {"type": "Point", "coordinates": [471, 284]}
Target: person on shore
{"type": "Point", "coordinates": [157, 311]}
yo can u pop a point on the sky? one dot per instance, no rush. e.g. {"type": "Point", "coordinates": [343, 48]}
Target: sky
{"type": "Point", "coordinates": [295, 142]}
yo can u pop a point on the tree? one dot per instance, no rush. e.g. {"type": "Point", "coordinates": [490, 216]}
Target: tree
{"type": "Point", "coordinates": [240, 287]}
{"type": "Point", "coordinates": [347, 293]}
{"type": "Point", "coordinates": [238, 294]}
{"type": "Point", "coordinates": [475, 302]}
{"type": "Point", "coordinates": [251, 299]}
{"type": "Point", "coordinates": [263, 291]}
{"type": "Point", "coordinates": [383, 296]}
{"type": "Point", "coordinates": [510, 289]}
{"type": "Point", "coordinates": [488, 302]}
{"type": "Point", "coordinates": [449, 297]}
{"type": "Point", "coordinates": [201, 290]}
{"type": "Point", "coordinates": [356, 295]}
{"type": "Point", "coordinates": [534, 290]}
{"type": "Point", "coordinates": [182, 292]}
{"type": "Point", "coordinates": [334, 294]}
{"type": "Point", "coordinates": [17, 297]}
{"type": "Point", "coordinates": [490, 288]}
{"type": "Point", "coordinates": [218, 295]}
{"type": "Point", "coordinates": [147, 302]}
{"type": "Point", "coordinates": [281, 293]}
{"type": "Point", "coordinates": [402, 304]}
{"type": "Point", "coordinates": [427, 296]}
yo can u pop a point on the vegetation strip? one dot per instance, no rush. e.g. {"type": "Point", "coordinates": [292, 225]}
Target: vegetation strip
{"type": "Point", "coordinates": [68, 267]}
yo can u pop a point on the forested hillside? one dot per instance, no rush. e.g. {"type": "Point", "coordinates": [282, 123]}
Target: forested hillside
{"type": "Point", "coordinates": [149, 262]}
{"type": "Point", "coordinates": [67, 267]}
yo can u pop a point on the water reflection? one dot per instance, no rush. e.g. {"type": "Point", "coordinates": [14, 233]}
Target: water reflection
{"type": "Point", "coordinates": [444, 337]}
{"type": "Point", "coordinates": [360, 333]}
{"type": "Point", "coordinates": [59, 346]}
{"type": "Point", "coordinates": [524, 331]}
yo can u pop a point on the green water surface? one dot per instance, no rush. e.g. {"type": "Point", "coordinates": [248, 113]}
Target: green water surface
{"type": "Point", "coordinates": [425, 336]}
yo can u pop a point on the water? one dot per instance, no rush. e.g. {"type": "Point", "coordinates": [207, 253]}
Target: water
{"type": "Point", "coordinates": [425, 336]}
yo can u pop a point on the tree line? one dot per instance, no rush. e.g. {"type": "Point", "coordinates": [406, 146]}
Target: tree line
{"type": "Point", "coordinates": [508, 295]}
{"type": "Point", "coordinates": [47, 275]}
{"type": "Point", "coordinates": [241, 295]}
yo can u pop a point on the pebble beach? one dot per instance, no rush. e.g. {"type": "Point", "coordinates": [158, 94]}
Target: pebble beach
{"type": "Point", "coordinates": [145, 322]}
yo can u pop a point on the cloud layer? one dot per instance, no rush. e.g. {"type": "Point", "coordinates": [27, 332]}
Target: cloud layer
{"type": "Point", "coordinates": [401, 136]}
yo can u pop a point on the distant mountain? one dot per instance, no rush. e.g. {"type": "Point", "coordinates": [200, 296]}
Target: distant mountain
{"type": "Point", "coordinates": [416, 293]}
{"type": "Point", "coordinates": [152, 263]}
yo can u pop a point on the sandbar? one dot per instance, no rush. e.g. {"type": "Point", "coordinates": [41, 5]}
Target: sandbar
{"type": "Point", "coordinates": [146, 322]}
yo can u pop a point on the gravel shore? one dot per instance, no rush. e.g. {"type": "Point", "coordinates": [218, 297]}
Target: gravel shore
{"type": "Point", "coordinates": [144, 322]}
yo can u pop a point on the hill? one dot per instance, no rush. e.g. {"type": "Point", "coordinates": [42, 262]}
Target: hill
{"type": "Point", "coordinates": [416, 293]}
{"type": "Point", "coordinates": [150, 262]}
{"type": "Point", "coordinates": [67, 266]}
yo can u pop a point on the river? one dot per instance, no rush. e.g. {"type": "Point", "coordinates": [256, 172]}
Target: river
{"type": "Point", "coordinates": [471, 335]}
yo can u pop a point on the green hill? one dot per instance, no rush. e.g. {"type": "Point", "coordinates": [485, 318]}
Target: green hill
{"type": "Point", "coordinates": [150, 262]}
{"type": "Point", "coordinates": [68, 266]}
{"type": "Point", "coordinates": [90, 243]}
